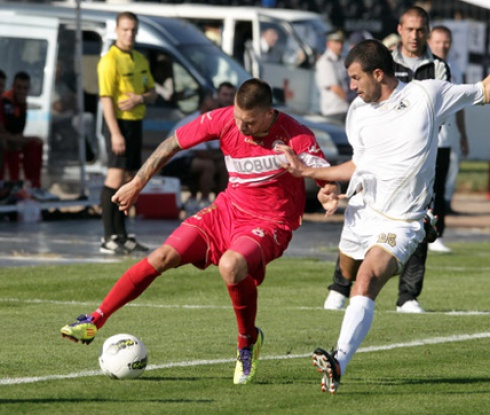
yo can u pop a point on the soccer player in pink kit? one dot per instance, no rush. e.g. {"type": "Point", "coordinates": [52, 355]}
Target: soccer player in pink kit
{"type": "Point", "coordinates": [248, 225]}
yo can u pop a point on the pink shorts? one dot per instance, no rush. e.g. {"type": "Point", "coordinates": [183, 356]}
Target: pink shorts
{"type": "Point", "coordinates": [224, 227]}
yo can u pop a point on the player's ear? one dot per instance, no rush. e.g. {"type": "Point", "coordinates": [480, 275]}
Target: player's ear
{"type": "Point", "coordinates": [378, 74]}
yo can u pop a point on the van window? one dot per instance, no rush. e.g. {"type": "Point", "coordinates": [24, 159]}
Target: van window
{"type": "Point", "coordinates": [175, 86]}
{"type": "Point", "coordinates": [284, 47]}
{"type": "Point", "coordinates": [27, 55]}
{"type": "Point", "coordinates": [313, 32]}
{"type": "Point", "coordinates": [214, 65]}
{"type": "Point", "coordinates": [212, 29]}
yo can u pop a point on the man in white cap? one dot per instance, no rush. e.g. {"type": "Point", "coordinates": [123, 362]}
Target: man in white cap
{"type": "Point", "coordinates": [331, 79]}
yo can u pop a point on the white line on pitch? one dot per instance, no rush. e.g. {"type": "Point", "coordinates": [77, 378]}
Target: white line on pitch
{"type": "Point", "coordinates": [370, 349]}
{"type": "Point", "coordinates": [89, 304]}
{"type": "Point", "coordinates": [204, 306]}
{"type": "Point", "coordinates": [60, 260]}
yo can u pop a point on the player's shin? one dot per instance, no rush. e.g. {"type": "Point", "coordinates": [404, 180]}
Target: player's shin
{"type": "Point", "coordinates": [355, 327]}
{"type": "Point", "coordinates": [243, 296]}
{"type": "Point", "coordinates": [131, 285]}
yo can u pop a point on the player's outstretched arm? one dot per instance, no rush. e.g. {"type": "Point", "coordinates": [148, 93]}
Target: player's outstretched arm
{"type": "Point", "coordinates": [126, 196]}
{"type": "Point", "coordinates": [341, 173]}
{"type": "Point", "coordinates": [295, 166]}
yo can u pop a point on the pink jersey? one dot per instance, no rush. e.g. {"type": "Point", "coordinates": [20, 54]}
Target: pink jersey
{"type": "Point", "coordinates": [257, 184]}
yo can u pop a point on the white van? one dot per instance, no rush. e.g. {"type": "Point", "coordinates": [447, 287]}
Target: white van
{"type": "Point", "coordinates": [237, 30]}
{"type": "Point", "coordinates": [38, 38]}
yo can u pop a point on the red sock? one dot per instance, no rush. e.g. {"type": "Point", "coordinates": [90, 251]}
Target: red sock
{"type": "Point", "coordinates": [244, 299]}
{"type": "Point", "coordinates": [33, 162]}
{"type": "Point", "coordinates": [133, 282]}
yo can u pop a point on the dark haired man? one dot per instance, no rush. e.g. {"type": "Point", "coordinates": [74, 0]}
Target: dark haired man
{"type": "Point", "coordinates": [413, 60]}
{"type": "Point", "coordinates": [20, 150]}
{"type": "Point", "coordinates": [392, 127]}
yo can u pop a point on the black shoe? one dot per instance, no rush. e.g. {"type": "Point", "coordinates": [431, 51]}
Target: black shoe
{"type": "Point", "coordinates": [113, 246]}
{"type": "Point", "coordinates": [131, 245]}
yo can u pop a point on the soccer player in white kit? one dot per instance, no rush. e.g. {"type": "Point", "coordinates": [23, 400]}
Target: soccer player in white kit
{"type": "Point", "coordinates": [392, 127]}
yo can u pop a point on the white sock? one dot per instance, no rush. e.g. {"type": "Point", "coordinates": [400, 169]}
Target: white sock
{"type": "Point", "coordinates": [355, 327]}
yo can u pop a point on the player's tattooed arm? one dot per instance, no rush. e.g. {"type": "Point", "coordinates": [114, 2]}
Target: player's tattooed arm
{"type": "Point", "coordinates": [159, 158]}
{"type": "Point", "coordinates": [127, 195]}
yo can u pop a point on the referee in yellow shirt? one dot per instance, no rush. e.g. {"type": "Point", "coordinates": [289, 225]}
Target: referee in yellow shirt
{"type": "Point", "coordinates": [125, 85]}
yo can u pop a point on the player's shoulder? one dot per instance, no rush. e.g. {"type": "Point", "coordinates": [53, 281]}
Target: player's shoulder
{"type": "Point", "coordinates": [223, 119]}
{"type": "Point", "coordinates": [293, 125]}
{"type": "Point", "coordinates": [284, 118]}
{"type": "Point", "coordinates": [224, 113]}
{"type": "Point", "coordinates": [425, 90]}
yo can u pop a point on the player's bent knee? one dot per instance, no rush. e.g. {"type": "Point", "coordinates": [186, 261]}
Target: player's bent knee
{"type": "Point", "coordinates": [164, 258]}
{"type": "Point", "coordinates": [232, 267]}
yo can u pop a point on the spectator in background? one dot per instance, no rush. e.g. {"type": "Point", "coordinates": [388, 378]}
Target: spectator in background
{"type": "Point", "coordinates": [331, 79]}
{"type": "Point", "coordinates": [226, 94]}
{"type": "Point", "coordinates": [195, 167]}
{"type": "Point", "coordinates": [125, 87]}
{"type": "Point", "coordinates": [163, 77]}
{"type": "Point", "coordinates": [269, 51]}
{"type": "Point", "coordinates": [21, 150]}
{"type": "Point", "coordinates": [202, 168]}
{"type": "Point", "coordinates": [440, 41]}
{"type": "Point", "coordinates": [414, 60]}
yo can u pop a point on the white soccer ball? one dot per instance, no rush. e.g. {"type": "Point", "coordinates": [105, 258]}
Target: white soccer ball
{"type": "Point", "coordinates": [123, 356]}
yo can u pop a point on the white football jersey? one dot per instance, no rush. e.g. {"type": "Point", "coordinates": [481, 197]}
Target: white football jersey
{"type": "Point", "coordinates": [395, 144]}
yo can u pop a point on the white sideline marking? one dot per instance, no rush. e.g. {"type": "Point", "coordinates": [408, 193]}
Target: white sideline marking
{"type": "Point", "coordinates": [82, 303]}
{"type": "Point", "coordinates": [421, 342]}
{"type": "Point", "coordinates": [203, 307]}
{"type": "Point", "coordinates": [60, 260]}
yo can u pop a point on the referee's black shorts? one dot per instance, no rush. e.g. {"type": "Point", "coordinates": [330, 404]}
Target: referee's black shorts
{"type": "Point", "coordinates": [132, 132]}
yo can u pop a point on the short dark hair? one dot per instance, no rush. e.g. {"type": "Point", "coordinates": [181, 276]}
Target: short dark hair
{"type": "Point", "coordinates": [226, 84]}
{"type": "Point", "coordinates": [371, 54]}
{"type": "Point", "coordinates": [2, 75]}
{"type": "Point", "coordinates": [254, 93]}
{"type": "Point", "coordinates": [22, 75]}
{"type": "Point", "coordinates": [443, 29]}
{"type": "Point", "coordinates": [415, 11]}
{"type": "Point", "coordinates": [126, 15]}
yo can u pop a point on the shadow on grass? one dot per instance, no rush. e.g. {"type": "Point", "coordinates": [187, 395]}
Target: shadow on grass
{"type": "Point", "coordinates": [100, 400]}
{"type": "Point", "coordinates": [392, 381]}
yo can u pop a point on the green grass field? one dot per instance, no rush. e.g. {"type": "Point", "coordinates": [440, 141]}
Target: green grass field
{"type": "Point", "coordinates": [473, 177]}
{"type": "Point", "coordinates": [436, 363]}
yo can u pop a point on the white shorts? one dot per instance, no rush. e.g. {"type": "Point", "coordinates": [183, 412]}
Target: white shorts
{"type": "Point", "coordinates": [365, 228]}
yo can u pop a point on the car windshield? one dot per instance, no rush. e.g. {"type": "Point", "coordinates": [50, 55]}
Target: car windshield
{"type": "Point", "coordinates": [313, 32]}
{"type": "Point", "coordinates": [215, 65]}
